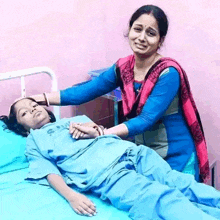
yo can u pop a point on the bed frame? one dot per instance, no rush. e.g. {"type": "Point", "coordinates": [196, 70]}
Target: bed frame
{"type": "Point", "coordinates": [32, 71]}
{"type": "Point", "coordinates": [29, 199]}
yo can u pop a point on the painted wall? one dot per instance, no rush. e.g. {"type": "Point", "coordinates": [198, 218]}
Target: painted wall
{"type": "Point", "coordinates": [75, 36]}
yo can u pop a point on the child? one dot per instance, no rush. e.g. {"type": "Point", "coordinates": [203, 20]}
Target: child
{"type": "Point", "coordinates": [133, 178]}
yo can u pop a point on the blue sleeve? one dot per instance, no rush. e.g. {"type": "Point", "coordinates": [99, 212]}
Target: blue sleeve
{"type": "Point", "coordinates": [87, 91]}
{"type": "Point", "coordinates": [158, 102]}
{"type": "Point", "coordinates": [39, 166]}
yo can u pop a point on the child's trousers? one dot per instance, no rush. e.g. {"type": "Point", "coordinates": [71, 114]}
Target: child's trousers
{"type": "Point", "coordinates": [145, 185]}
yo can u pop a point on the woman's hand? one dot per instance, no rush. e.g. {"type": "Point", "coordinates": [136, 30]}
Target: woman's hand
{"type": "Point", "coordinates": [83, 131]}
{"type": "Point", "coordinates": [76, 133]}
{"type": "Point", "coordinates": [82, 205]}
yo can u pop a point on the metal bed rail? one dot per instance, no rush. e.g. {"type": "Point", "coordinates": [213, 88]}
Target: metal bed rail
{"type": "Point", "coordinates": [33, 71]}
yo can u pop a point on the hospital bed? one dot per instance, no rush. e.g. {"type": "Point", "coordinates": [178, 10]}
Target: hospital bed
{"type": "Point", "coordinates": [20, 199]}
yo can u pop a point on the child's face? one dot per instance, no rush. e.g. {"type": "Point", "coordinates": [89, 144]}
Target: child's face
{"type": "Point", "coordinates": [30, 114]}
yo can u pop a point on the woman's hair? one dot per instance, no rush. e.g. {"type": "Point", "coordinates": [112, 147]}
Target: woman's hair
{"type": "Point", "coordinates": [12, 123]}
{"type": "Point", "coordinates": [158, 14]}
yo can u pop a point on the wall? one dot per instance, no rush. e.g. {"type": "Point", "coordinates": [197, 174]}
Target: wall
{"type": "Point", "coordinates": [75, 36]}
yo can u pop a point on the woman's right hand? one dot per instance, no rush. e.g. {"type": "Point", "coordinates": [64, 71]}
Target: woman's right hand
{"type": "Point", "coordinates": [83, 131]}
{"type": "Point", "coordinates": [82, 205]}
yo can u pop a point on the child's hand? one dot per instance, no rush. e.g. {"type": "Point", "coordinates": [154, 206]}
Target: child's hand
{"type": "Point", "coordinates": [82, 205]}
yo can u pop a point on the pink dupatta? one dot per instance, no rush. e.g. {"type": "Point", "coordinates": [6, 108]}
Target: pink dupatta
{"type": "Point", "coordinates": [131, 102]}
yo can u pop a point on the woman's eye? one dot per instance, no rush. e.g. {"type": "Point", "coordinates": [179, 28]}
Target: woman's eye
{"type": "Point", "coordinates": [137, 29]}
{"type": "Point", "coordinates": [150, 33]}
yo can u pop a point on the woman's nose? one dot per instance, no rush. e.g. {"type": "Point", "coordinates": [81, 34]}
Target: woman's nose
{"type": "Point", "coordinates": [142, 36]}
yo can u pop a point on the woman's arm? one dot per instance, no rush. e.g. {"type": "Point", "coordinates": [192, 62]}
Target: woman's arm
{"type": "Point", "coordinates": [80, 203]}
{"type": "Point", "coordinates": [159, 100]}
{"type": "Point", "coordinates": [83, 131]}
{"type": "Point", "coordinates": [53, 97]}
{"type": "Point", "coordinates": [82, 92]}
{"type": "Point", "coordinates": [120, 130]}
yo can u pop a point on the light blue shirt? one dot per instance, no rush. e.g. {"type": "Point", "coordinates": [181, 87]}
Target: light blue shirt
{"type": "Point", "coordinates": [85, 163]}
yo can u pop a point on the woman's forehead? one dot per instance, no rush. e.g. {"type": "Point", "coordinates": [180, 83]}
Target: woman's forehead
{"type": "Point", "coordinates": [147, 20]}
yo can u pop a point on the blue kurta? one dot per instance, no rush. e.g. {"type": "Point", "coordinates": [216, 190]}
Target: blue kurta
{"type": "Point", "coordinates": [161, 124]}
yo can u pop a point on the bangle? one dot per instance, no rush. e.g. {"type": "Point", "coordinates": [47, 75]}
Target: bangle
{"type": "Point", "coordinates": [46, 99]}
{"type": "Point", "coordinates": [100, 131]}
{"type": "Point", "coordinates": [102, 127]}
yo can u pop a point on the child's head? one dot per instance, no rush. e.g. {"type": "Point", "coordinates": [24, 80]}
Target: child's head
{"type": "Point", "coordinates": [26, 114]}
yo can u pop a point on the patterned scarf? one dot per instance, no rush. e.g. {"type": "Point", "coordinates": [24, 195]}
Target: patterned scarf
{"type": "Point", "coordinates": [134, 103]}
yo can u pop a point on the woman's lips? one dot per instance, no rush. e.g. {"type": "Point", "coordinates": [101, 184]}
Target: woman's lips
{"type": "Point", "coordinates": [141, 46]}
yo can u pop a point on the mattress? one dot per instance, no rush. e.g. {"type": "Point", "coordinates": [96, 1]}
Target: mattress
{"type": "Point", "coordinates": [22, 200]}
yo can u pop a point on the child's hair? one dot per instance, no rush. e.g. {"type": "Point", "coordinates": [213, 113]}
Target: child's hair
{"type": "Point", "coordinates": [12, 123]}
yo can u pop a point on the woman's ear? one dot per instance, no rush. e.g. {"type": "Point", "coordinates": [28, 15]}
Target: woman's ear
{"type": "Point", "coordinates": [161, 42]}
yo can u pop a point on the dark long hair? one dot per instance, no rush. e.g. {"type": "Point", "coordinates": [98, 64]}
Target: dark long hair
{"type": "Point", "coordinates": [158, 14]}
{"type": "Point", "coordinates": [12, 123]}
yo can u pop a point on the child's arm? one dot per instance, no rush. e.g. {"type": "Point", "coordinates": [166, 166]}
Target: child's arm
{"type": "Point", "coordinates": [40, 166]}
{"type": "Point", "coordinates": [80, 203]}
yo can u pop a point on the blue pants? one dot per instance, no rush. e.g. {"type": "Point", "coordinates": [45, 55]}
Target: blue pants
{"type": "Point", "coordinates": [143, 184]}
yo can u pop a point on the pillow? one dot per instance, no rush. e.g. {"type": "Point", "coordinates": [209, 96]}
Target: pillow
{"type": "Point", "coordinates": [12, 147]}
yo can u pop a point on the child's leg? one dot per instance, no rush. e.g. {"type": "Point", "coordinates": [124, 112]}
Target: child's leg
{"type": "Point", "coordinates": [146, 199]}
{"type": "Point", "coordinates": [151, 165]}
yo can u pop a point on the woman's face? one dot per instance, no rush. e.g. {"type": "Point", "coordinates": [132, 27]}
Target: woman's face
{"type": "Point", "coordinates": [30, 114]}
{"type": "Point", "coordinates": [144, 36]}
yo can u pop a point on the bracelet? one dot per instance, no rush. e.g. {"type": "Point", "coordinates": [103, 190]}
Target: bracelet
{"type": "Point", "coordinates": [100, 131]}
{"type": "Point", "coordinates": [103, 129]}
{"type": "Point", "coordinates": [46, 99]}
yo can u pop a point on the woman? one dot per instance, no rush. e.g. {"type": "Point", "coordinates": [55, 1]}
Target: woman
{"type": "Point", "coordinates": [133, 178]}
{"type": "Point", "coordinates": [156, 97]}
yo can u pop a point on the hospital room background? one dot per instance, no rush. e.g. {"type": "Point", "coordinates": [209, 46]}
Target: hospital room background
{"type": "Point", "coordinates": [75, 37]}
